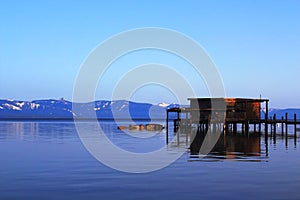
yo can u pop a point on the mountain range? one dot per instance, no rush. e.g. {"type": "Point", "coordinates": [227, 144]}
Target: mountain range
{"type": "Point", "coordinates": [104, 109]}
{"type": "Point", "coordinates": [63, 109]}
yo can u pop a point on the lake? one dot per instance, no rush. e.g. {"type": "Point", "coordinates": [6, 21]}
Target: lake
{"type": "Point", "coordinates": [47, 160]}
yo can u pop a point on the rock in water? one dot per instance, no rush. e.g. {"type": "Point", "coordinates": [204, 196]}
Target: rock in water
{"type": "Point", "coordinates": [154, 127]}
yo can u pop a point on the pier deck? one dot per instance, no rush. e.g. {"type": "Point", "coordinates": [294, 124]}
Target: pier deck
{"type": "Point", "coordinates": [240, 115]}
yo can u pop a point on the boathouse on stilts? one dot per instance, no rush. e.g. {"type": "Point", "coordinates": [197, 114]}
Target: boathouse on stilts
{"type": "Point", "coordinates": [219, 114]}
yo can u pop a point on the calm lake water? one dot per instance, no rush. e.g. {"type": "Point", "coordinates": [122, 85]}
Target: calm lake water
{"type": "Point", "coordinates": [46, 160]}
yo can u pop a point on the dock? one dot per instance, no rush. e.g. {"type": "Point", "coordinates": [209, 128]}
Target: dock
{"type": "Point", "coordinates": [228, 115]}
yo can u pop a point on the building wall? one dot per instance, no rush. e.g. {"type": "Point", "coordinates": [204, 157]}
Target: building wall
{"type": "Point", "coordinates": [237, 109]}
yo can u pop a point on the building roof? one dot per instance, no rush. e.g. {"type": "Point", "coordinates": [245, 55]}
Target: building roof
{"type": "Point", "coordinates": [230, 99]}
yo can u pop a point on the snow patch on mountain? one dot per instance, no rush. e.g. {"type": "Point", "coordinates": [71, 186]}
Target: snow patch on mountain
{"type": "Point", "coordinates": [163, 104]}
{"type": "Point", "coordinates": [34, 106]}
{"type": "Point", "coordinates": [20, 104]}
{"type": "Point", "coordinates": [13, 107]}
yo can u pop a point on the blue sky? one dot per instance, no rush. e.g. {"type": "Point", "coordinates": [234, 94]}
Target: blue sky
{"type": "Point", "coordinates": [254, 44]}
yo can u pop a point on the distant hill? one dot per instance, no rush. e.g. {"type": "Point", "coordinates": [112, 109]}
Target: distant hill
{"type": "Point", "coordinates": [281, 113]}
{"type": "Point", "coordinates": [62, 109]}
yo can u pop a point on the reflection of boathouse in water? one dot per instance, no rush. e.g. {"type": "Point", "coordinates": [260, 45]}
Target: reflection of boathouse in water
{"type": "Point", "coordinates": [223, 115]}
{"type": "Point", "coordinates": [237, 121]}
{"type": "Point", "coordinates": [230, 146]}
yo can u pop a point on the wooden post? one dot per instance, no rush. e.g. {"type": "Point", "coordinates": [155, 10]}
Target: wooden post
{"type": "Point", "coordinates": [286, 130]}
{"type": "Point", "coordinates": [234, 127]}
{"type": "Point", "coordinates": [247, 127]}
{"type": "Point", "coordinates": [167, 128]}
{"type": "Point", "coordinates": [266, 127]}
{"type": "Point", "coordinates": [286, 141]}
{"type": "Point", "coordinates": [266, 117]}
{"type": "Point", "coordinates": [295, 133]}
{"type": "Point", "coordinates": [271, 126]}
{"type": "Point", "coordinates": [226, 128]}
{"type": "Point", "coordinates": [175, 126]}
{"type": "Point", "coordinates": [286, 123]}
{"type": "Point", "coordinates": [274, 119]}
{"type": "Point", "coordinates": [177, 134]}
{"type": "Point", "coordinates": [282, 131]}
{"type": "Point", "coordinates": [187, 129]}
{"type": "Point", "coordinates": [243, 127]}
{"type": "Point", "coordinates": [178, 121]}
{"type": "Point", "coordinates": [295, 125]}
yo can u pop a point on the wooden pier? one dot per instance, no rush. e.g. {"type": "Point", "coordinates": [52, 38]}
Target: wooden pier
{"type": "Point", "coordinates": [241, 116]}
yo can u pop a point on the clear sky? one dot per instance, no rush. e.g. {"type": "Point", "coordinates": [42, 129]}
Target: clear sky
{"type": "Point", "coordinates": [254, 44]}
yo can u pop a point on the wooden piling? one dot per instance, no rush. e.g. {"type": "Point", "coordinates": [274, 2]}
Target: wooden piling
{"type": "Point", "coordinates": [286, 123]}
{"type": "Point", "coordinates": [274, 124]}
{"type": "Point", "coordinates": [188, 129]}
{"type": "Point", "coordinates": [226, 128]}
{"type": "Point", "coordinates": [243, 127]}
{"type": "Point", "coordinates": [271, 126]}
{"type": "Point", "coordinates": [247, 127]}
{"type": "Point", "coordinates": [295, 131]}
{"type": "Point", "coordinates": [286, 130]}
{"type": "Point", "coordinates": [167, 128]}
{"type": "Point", "coordinates": [235, 127]}
{"type": "Point", "coordinates": [177, 134]}
{"type": "Point", "coordinates": [295, 125]}
{"type": "Point", "coordinates": [282, 127]}
{"type": "Point", "coordinates": [266, 117]}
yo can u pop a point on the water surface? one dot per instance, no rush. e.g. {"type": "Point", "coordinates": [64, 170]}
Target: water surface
{"type": "Point", "coordinates": [46, 160]}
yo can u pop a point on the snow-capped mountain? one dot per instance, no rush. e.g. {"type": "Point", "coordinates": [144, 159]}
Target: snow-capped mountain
{"type": "Point", "coordinates": [63, 109]}
{"type": "Point", "coordinates": [121, 109]}
{"type": "Point", "coordinates": [36, 109]}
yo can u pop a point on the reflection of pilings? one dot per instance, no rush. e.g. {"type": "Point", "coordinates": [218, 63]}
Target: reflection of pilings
{"type": "Point", "coordinates": [285, 138]}
{"type": "Point", "coordinates": [248, 126]}
{"type": "Point", "coordinates": [187, 133]}
{"type": "Point", "coordinates": [267, 145]}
